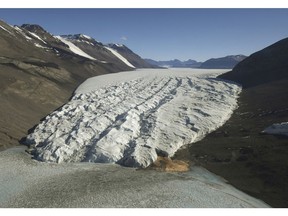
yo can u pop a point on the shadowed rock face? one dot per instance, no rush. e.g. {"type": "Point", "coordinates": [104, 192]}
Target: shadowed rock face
{"type": "Point", "coordinates": [38, 73]}
{"type": "Point", "coordinates": [264, 66]}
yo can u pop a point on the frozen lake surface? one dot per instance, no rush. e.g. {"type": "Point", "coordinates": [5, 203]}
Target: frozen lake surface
{"type": "Point", "coordinates": [28, 183]}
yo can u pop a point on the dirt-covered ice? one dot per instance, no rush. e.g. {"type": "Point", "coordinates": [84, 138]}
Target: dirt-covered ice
{"type": "Point", "coordinates": [131, 117]}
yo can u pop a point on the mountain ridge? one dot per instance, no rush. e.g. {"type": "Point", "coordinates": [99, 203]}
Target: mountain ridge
{"type": "Point", "coordinates": [227, 62]}
{"type": "Point", "coordinates": [260, 64]}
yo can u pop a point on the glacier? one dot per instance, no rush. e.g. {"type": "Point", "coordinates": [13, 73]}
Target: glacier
{"type": "Point", "coordinates": [130, 118]}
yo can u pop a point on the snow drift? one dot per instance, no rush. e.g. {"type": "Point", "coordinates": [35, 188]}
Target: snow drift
{"type": "Point", "coordinates": [131, 117]}
{"type": "Point", "coordinates": [277, 129]}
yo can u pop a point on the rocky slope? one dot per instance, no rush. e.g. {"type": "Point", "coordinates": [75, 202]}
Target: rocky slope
{"type": "Point", "coordinates": [39, 72]}
{"type": "Point", "coordinates": [264, 66]}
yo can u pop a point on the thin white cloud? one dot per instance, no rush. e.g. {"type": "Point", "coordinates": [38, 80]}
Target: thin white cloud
{"type": "Point", "coordinates": [124, 38]}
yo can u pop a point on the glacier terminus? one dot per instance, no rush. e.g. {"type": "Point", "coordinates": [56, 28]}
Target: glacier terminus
{"type": "Point", "coordinates": [130, 118]}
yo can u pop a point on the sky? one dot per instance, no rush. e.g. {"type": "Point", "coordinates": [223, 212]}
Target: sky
{"type": "Point", "coordinates": [165, 34]}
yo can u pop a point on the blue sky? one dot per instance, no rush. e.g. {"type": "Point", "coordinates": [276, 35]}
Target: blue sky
{"type": "Point", "coordinates": [164, 34]}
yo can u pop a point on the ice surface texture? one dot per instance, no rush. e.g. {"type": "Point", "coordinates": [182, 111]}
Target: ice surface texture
{"type": "Point", "coordinates": [26, 183]}
{"type": "Point", "coordinates": [131, 122]}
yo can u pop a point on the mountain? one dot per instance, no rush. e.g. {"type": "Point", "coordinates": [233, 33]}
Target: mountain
{"type": "Point", "coordinates": [213, 63]}
{"type": "Point", "coordinates": [175, 63]}
{"type": "Point", "coordinates": [121, 53]}
{"type": "Point", "coordinates": [223, 62]}
{"type": "Point", "coordinates": [40, 71]}
{"type": "Point", "coordinates": [267, 65]}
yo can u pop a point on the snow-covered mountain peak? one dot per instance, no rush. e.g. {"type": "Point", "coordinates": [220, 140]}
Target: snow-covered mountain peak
{"type": "Point", "coordinates": [85, 36]}
{"type": "Point", "coordinates": [76, 37]}
{"type": "Point", "coordinates": [81, 38]}
{"type": "Point", "coordinates": [117, 46]}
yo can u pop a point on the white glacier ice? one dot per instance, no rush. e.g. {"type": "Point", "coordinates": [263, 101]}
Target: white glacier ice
{"type": "Point", "coordinates": [131, 117]}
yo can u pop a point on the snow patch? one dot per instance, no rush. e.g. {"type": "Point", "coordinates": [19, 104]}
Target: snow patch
{"type": "Point", "coordinates": [38, 45]}
{"type": "Point", "coordinates": [22, 33]}
{"type": "Point", "coordinates": [86, 42]}
{"type": "Point", "coordinates": [277, 129]}
{"type": "Point", "coordinates": [74, 48]}
{"type": "Point", "coordinates": [6, 30]}
{"type": "Point", "coordinates": [36, 36]}
{"type": "Point", "coordinates": [119, 56]}
{"type": "Point", "coordinates": [129, 122]}
{"type": "Point", "coordinates": [119, 45]}
{"type": "Point", "coordinates": [104, 62]}
{"type": "Point", "coordinates": [86, 36]}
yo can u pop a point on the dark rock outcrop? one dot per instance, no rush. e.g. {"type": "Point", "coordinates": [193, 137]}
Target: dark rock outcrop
{"type": "Point", "coordinates": [264, 66]}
